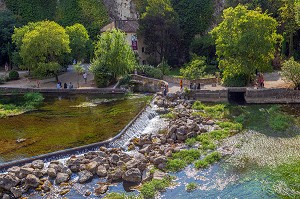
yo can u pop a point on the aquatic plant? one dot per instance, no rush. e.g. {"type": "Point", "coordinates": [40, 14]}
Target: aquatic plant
{"type": "Point", "coordinates": [191, 186]}
{"type": "Point", "coordinates": [207, 160]}
{"type": "Point", "coordinates": [214, 111]}
{"type": "Point", "coordinates": [182, 158]}
{"type": "Point", "coordinates": [190, 141]}
{"type": "Point", "coordinates": [115, 195]}
{"type": "Point", "coordinates": [175, 165]}
{"type": "Point", "coordinates": [149, 189]}
{"type": "Point", "coordinates": [169, 115]}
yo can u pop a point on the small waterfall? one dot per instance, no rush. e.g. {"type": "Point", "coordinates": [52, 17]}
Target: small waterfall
{"type": "Point", "coordinates": [147, 122]}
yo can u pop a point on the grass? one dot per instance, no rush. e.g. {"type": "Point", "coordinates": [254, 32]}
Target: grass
{"type": "Point", "coordinates": [191, 186]}
{"type": "Point", "coordinates": [207, 160]}
{"type": "Point", "coordinates": [149, 189]}
{"type": "Point", "coordinates": [169, 115]}
{"type": "Point", "coordinates": [190, 141]}
{"type": "Point", "coordinates": [182, 158]}
{"type": "Point", "coordinates": [115, 195]}
{"type": "Point", "coordinates": [217, 111]}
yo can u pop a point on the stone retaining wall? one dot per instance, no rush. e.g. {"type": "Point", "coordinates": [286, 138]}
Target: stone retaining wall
{"type": "Point", "coordinates": [146, 84]}
{"type": "Point", "coordinates": [266, 96]}
{"type": "Point", "coordinates": [211, 96]}
{"type": "Point", "coordinates": [8, 90]}
{"type": "Point", "coordinates": [186, 83]}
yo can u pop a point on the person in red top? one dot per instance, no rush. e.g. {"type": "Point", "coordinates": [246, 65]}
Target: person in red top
{"type": "Point", "coordinates": [180, 84]}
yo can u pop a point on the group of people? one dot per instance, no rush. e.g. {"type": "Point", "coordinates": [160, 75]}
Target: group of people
{"type": "Point", "coordinates": [193, 86]}
{"type": "Point", "coordinates": [66, 86]}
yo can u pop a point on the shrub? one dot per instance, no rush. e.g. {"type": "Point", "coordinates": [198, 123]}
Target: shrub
{"type": "Point", "coordinates": [2, 80]}
{"type": "Point", "coordinates": [206, 142]}
{"type": "Point", "coordinates": [231, 80]}
{"type": "Point", "coordinates": [279, 122]}
{"type": "Point", "coordinates": [230, 126]}
{"type": "Point", "coordinates": [164, 67]}
{"type": "Point", "coordinates": [103, 76]}
{"type": "Point", "coordinates": [125, 80]}
{"type": "Point", "coordinates": [149, 71]}
{"type": "Point", "coordinates": [291, 71]}
{"type": "Point", "coordinates": [33, 100]}
{"type": "Point", "coordinates": [198, 106]}
{"type": "Point", "coordinates": [187, 155]}
{"type": "Point", "coordinates": [195, 69]}
{"type": "Point", "coordinates": [13, 75]}
{"type": "Point", "coordinates": [191, 186]}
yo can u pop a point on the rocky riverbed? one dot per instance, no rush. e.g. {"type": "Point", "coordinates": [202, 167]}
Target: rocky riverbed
{"type": "Point", "coordinates": [133, 166]}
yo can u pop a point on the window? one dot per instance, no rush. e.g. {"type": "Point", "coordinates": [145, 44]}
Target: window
{"type": "Point", "coordinates": [143, 49]}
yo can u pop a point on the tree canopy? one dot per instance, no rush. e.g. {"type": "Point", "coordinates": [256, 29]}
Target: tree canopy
{"type": "Point", "coordinates": [113, 55]}
{"type": "Point", "coordinates": [78, 41]}
{"type": "Point", "coordinates": [291, 71]}
{"type": "Point", "coordinates": [41, 46]}
{"type": "Point", "coordinates": [245, 40]}
{"type": "Point", "coordinates": [160, 29]}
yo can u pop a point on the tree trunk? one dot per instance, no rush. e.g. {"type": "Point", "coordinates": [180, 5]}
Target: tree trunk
{"type": "Point", "coordinates": [56, 77]}
{"type": "Point", "coordinates": [291, 45]}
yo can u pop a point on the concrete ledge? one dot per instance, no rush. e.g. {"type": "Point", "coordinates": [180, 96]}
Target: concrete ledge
{"type": "Point", "coordinates": [266, 96]}
{"type": "Point", "coordinates": [7, 90]}
{"type": "Point", "coordinates": [147, 84]}
{"type": "Point", "coordinates": [186, 83]}
{"type": "Point", "coordinates": [211, 96]}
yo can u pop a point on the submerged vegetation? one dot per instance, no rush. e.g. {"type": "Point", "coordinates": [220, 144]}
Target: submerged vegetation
{"type": "Point", "coordinates": [28, 102]}
{"type": "Point", "coordinates": [149, 189]}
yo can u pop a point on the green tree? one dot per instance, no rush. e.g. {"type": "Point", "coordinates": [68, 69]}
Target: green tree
{"type": "Point", "coordinates": [7, 23]}
{"type": "Point", "coordinates": [113, 57]}
{"type": "Point", "coordinates": [42, 45]}
{"type": "Point", "coordinates": [195, 18]}
{"type": "Point", "coordinates": [78, 41]}
{"type": "Point", "coordinates": [290, 20]}
{"type": "Point", "coordinates": [32, 10]}
{"type": "Point", "coordinates": [291, 71]}
{"type": "Point", "coordinates": [160, 29]}
{"type": "Point", "coordinates": [245, 41]}
{"type": "Point", "coordinates": [79, 69]}
{"type": "Point", "coordinates": [195, 69]}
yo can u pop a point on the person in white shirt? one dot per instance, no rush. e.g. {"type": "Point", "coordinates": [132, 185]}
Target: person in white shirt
{"type": "Point", "coordinates": [85, 77]}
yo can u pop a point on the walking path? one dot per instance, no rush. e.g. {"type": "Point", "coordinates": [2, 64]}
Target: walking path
{"type": "Point", "coordinates": [66, 77]}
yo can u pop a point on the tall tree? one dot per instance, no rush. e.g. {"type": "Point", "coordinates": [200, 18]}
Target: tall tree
{"type": "Point", "coordinates": [290, 20]}
{"type": "Point", "coordinates": [245, 41]}
{"type": "Point", "coordinates": [41, 46]}
{"type": "Point", "coordinates": [7, 24]}
{"type": "Point", "coordinates": [113, 57]}
{"type": "Point", "coordinates": [195, 17]}
{"type": "Point", "coordinates": [78, 41]}
{"type": "Point", "coordinates": [160, 29]}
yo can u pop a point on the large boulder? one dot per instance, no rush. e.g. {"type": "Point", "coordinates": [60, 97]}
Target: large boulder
{"type": "Point", "coordinates": [52, 173]}
{"type": "Point", "coordinates": [17, 192]}
{"type": "Point", "coordinates": [46, 186]}
{"type": "Point", "coordinates": [62, 177]}
{"type": "Point", "coordinates": [32, 181]}
{"type": "Point", "coordinates": [92, 167]}
{"type": "Point", "coordinates": [38, 164]}
{"type": "Point", "coordinates": [132, 175]}
{"type": "Point", "coordinates": [160, 160]}
{"type": "Point", "coordinates": [8, 181]}
{"type": "Point", "coordinates": [115, 175]}
{"type": "Point", "coordinates": [101, 171]}
{"type": "Point", "coordinates": [85, 176]}
{"type": "Point", "coordinates": [101, 189]}
{"type": "Point", "coordinates": [114, 159]}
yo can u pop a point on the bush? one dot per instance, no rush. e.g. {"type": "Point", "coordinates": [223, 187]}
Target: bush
{"type": "Point", "coordinates": [102, 76]}
{"type": "Point", "coordinates": [125, 80]}
{"type": "Point", "coordinates": [33, 100]}
{"type": "Point", "coordinates": [13, 75]}
{"type": "Point", "coordinates": [195, 69]}
{"type": "Point", "coordinates": [190, 141]}
{"type": "Point", "coordinates": [2, 80]}
{"type": "Point", "coordinates": [150, 71]}
{"type": "Point", "coordinates": [164, 67]}
{"type": "Point", "coordinates": [209, 159]}
{"type": "Point", "coordinates": [234, 80]}
{"type": "Point", "coordinates": [291, 71]}
{"type": "Point", "coordinates": [175, 165]}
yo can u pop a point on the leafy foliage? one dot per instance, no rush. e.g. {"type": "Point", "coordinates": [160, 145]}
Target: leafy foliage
{"type": "Point", "coordinates": [159, 28]}
{"type": "Point", "coordinates": [191, 186]}
{"type": "Point", "coordinates": [52, 42]}
{"type": "Point", "coordinates": [150, 71]}
{"type": "Point", "coordinates": [182, 158]}
{"type": "Point", "coordinates": [113, 57]}
{"type": "Point", "coordinates": [78, 40]}
{"type": "Point", "coordinates": [245, 41]}
{"type": "Point", "coordinates": [209, 159]}
{"type": "Point", "coordinates": [291, 71]}
{"type": "Point", "coordinates": [195, 17]}
{"type": "Point", "coordinates": [195, 69]}
{"type": "Point", "coordinates": [13, 75]}
{"type": "Point", "coordinates": [149, 189]}
{"type": "Point", "coordinates": [7, 23]}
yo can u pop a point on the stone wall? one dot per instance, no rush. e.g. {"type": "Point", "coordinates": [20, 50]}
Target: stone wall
{"type": "Point", "coordinates": [266, 96]}
{"type": "Point", "coordinates": [219, 96]}
{"type": "Point", "coordinates": [146, 84]}
{"type": "Point", "coordinates": [186, 83]}
{"type": "Point", "coordinates": [10, 90]}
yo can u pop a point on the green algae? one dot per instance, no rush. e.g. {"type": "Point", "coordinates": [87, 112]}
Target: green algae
{"type": "Point", "coordinates": [60, 124]}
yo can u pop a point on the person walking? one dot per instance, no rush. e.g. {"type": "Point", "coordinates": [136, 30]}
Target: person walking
{"type": "Point", "coordinates": [85, 77]}
{"type": "Point", "coordinates": [180, 84]}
